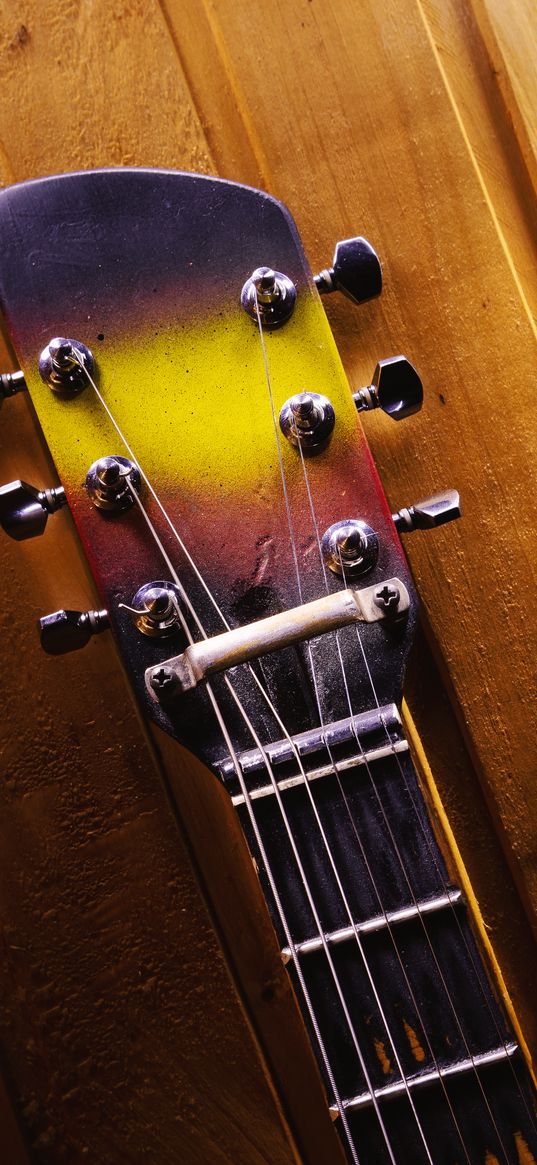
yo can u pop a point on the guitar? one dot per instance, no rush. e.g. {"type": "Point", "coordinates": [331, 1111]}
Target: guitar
{"type": "Point", "coordinates": [175, 348]}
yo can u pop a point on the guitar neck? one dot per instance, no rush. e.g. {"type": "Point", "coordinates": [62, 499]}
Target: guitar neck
{"type": "Point", "coordinates": [413, 1045]}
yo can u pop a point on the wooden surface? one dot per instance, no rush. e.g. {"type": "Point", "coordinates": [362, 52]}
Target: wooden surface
{"type": "Point", "coordinates": [410, 122]}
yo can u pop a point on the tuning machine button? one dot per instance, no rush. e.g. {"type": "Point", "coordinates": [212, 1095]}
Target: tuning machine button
{"type": "Point", "coordinates": [65, 631]}
{"type": "Point", "coordinates": [431, 512]}
{"type": "Point", "coordinates": [24, 509]}
{"type": "Point", "coordinates": [396, 389]}
{"type": "Point", "coordinates": [355, 271]}
{"type": "Point", "coordinates": [11, 383]}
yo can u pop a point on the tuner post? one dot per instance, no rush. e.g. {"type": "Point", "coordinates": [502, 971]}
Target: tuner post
{"type": "Point", "coordinates": [307, 420]}
{"type": "Point", "coordinates": [65, 365]}
{"type": "Point", "coordinates": [350, 547]}
{"type": "Point", "coordinates": [269, 296]}
{"type": "Point", "coordinates": [156, 609]}
{"type": "Point", "coordinates": [110, 483]}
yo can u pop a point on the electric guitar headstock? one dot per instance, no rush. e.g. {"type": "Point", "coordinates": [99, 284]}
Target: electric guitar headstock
{"type": "Point", "coordinates": [177, 353]}
{"type": "Point", "coordinates": [175, 347]}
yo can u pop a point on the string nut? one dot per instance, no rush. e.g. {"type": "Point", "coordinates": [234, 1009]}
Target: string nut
{"type": "Point", "coordinates": [65, 365]}
{"type": "Point", "coordinates": [269, 295]}
{"type": "Point", "coordinates": [110, 481]}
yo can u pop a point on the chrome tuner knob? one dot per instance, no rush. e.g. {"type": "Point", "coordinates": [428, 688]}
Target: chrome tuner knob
{"type": "Point", "coordinates": [355, 271]}
{"type": "Point", "coordinates": [24, 509]}
{"type": "Point", "coordinates": [111, 482]}
{"type": "Point", "coordinates": [350, 547]}
{"type": "Point", "coordinates": [431, 512]}
{"type": "Point", "coordinates": [396, 389]}
{"type": "Point", "coordinates": [65, 631]}
{"type": "Point", "coordinates": [156, 609]}
{"type": "Point", "coordinates": [66, 365]}
{"type": "Point", "coordinates": [269, 296]}
{"type": "Point", "coordinates": [307, 420]}
{"type": "Point", "coordinates": [11, 383]}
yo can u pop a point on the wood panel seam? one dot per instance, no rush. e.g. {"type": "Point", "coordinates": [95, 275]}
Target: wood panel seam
{"type": "Point", "coordinates": [484, 188]}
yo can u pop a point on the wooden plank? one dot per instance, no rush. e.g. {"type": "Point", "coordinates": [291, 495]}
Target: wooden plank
{"type": "Point", "coordinates": [509, 31]}
{"type": "Point", "coordinates": [400, 169]}
{"type": "Point", "coordinates": [332, 107]}
{"type": "Point", "coordinates": [486, 122]}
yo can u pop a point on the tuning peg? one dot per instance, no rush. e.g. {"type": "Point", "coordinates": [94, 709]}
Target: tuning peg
{"type": "Point", "coordinates": [11, 383]}
{"type": "Point", "coordinates": [355, 271]}
{"type": "Point", "coordinates": [434, 511]}
{"type": "Point", "coordinates": [66, 631]}
{"type": "Point", "coordinates": [396, 388]}
{"type": "Point", "coordinates": [24, 509]}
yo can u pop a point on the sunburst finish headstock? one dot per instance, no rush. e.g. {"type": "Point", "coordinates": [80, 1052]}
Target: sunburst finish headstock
{"type": "Point", "coordinates": [146, 271]}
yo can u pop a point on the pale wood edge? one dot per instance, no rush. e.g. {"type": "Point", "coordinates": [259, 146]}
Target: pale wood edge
{"type": "Point", "coordinates": [426, 775]}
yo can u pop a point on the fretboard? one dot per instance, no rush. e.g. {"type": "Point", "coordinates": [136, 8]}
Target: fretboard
{"type": "Point", "coordinates": [418, 1058]}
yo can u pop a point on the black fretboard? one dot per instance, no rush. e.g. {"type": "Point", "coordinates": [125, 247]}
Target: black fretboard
{"type": "Point", "coordinates": [422, 1062]}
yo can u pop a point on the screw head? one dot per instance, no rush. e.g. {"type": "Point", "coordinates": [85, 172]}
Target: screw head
{"type": "Point", "coordinates": [163, 680]}
{"type": "Point", "coordinates": [387, 597]}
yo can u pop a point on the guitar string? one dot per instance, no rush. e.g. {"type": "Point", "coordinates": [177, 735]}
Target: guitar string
{"type": "Point", "coordinates": [396, 849]}
{"type": "Point", "coordinates": [355, 829]}
{"type": "Point", "coordinates": [253, 821]}
{"type": "Point", "coordinates": [313, 803]}
{"type": "Point", "coordinates": [251, 812]}
{"type": "Point", "coordinates": [259, 841]}
{"type": "Point", "coordinates": [297, 859]}
{"type": "Point", "coordinates": [394, 843]}
{"type": "Point", "coordinates": [337, 774]}
{"type": "Point", "coordinates": [259, 745]}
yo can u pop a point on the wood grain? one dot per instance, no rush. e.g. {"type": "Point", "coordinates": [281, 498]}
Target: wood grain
{"type": "Point", "coordinates": [404, 123]}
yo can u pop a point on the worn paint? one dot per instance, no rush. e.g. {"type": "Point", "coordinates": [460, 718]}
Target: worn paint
{"type": "Point", "coordinates": [525, 1156]}
{"type": "Point", "coordinates": [417, 1051]}
{"type": "Point", "coordinates": [384, 1060]}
